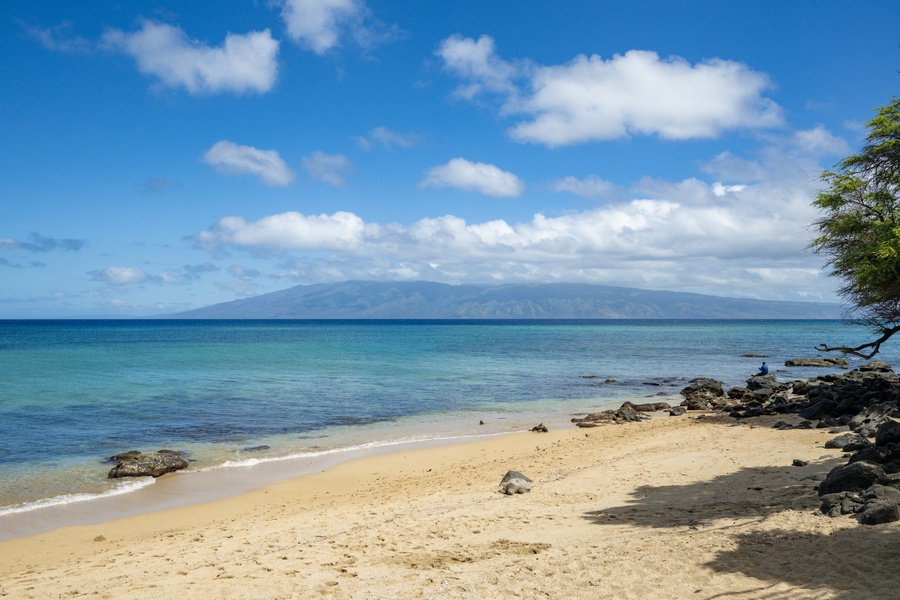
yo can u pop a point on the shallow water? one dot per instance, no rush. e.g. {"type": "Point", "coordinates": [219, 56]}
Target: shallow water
{"type": "Point", "coordinates": [74, 392]}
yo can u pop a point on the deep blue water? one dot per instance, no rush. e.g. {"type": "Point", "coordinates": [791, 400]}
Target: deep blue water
{"type": "Point", "coordinates": [74, 392]}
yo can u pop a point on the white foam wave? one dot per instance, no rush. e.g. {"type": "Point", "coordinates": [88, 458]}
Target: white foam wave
{"type": "Point", "coordinates": [124, 487]}
{"type": "Point", "coordinates": [249, 462]}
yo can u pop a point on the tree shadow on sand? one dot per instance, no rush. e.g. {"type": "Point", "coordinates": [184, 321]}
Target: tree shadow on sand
{"type": "Point", "coordinates": [838, 564]}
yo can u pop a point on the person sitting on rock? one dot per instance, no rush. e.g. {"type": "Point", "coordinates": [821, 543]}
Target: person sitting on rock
{"type": "Point", "coordinates": [763, 370]}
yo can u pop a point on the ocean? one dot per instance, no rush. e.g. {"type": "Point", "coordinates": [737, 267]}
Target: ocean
{"type": "Point", "coordinates": [281, 398]}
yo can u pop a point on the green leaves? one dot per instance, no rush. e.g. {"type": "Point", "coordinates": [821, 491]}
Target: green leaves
{"type": "Point", "coordinates": [859, 231]}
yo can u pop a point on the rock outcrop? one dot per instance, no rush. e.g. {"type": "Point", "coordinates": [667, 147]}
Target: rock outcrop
{"type": "Point", "coordinates": [153, 464]}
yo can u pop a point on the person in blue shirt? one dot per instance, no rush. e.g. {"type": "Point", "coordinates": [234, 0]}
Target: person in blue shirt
{"type": "Point", "coordinates": [764, 369]}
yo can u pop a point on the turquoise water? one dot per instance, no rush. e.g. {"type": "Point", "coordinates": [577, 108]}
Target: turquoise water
{"type": "Point", "coordinates": [75, 392]}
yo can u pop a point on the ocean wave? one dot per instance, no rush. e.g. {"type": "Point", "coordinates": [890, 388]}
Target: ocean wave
{"type": "Point", "coordinates": [124, 487]}
{"type": "Point", "coordinates": [249, 462]}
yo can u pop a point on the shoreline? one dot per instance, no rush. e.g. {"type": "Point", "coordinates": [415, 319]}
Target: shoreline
{"type": "Point", "coordinates": [671, 507]}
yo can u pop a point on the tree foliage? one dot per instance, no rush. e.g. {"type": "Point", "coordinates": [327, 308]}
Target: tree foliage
{"type": "Point", "coordinates": [859, 231]}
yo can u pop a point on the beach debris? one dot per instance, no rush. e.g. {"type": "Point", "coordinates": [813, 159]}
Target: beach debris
{"type": "Point", "coordinates": [515, 483]}
{"type": "Point", "coordinates": [541, 428]}
{"type": "Point", "coordinates": [152, 464]}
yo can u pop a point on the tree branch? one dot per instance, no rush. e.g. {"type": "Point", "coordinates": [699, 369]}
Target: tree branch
{"type": "Point", "coordinates": [875, 345]}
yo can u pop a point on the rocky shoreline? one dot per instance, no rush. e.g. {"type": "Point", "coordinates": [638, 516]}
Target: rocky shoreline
{"type": "Point", "coordinates": [859, 407]}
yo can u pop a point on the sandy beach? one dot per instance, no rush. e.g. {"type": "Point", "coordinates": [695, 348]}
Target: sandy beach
{"type": "Point", "coordinates": [673, 507]}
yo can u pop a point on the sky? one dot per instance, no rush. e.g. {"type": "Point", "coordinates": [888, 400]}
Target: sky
{"type": "Point", "coordinates": [159, 156]}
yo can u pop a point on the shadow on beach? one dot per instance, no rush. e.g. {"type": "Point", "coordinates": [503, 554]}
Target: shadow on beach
{"type": "Point", "coordinates": [838, 563]}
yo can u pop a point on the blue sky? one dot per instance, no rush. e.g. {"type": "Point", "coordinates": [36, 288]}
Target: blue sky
{"type": "Point", "coordinates": [160, 156]}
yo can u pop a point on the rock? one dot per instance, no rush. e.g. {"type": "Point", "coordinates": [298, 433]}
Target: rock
{"type": "Point", "coordinates": [515, 483]}
{"type": "Point", "coordinates": [124, 456]}
{"type": "Point", "coordinates": [676, 411]}
{"type": "Point", "coordinates": [540, 428]}
{"type": "Point", "coordinates": [626, 412]}
{"type": "Point", "coordinates": [799, 463]}
{"type": "Point", "coordinates": [888, 432]}
{"type": "Point", "coordinates": [848, 442]}
{"type": "Point", "coordinates": [841, 503]}
{"type": "Point", "coordinates": [651, 406]}
{"type": "Point", "coordinates": [709, 387]}
{"type": "Point", "coordinates": [143, 465]}
{"type": "Point", "coordinates": [854, 477]}
{"type": "Point", "coordinates": [875, 365]}
{"type": "Point", "coordinates": [876, 514]}
{"type": "Point", "coordinates": [817, 362]}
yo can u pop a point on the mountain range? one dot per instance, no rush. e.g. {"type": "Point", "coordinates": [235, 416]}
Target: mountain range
{"type": "Point", "coordinates": [428, 300]}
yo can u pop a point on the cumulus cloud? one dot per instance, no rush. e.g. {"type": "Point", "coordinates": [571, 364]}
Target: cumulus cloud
{"type": "Point", "coordinates": [328, 168]}
{"type": "Point", "coordinates": [41, 243]}
{"type": "Point", "coordinates": [291, 230]}
{"type": "Point", "coordinates": [321, 25]}
{"type": "Point", "coordinates": [386, 138]}
{"type": "Point", "coordinates": [244, 62]}
{"type": "Point", "coordinates": [593, 99]}
{"type": "Point", "coordinates": [229, 158]}
{"type": "Point", "coordinates": [592, 186]}
{"type": "Point", "coordinates": [745, 237]}
{"type": "Point", "coordinates": [476, 61]}
{"type": "Point", "coordinates": [474, 176]}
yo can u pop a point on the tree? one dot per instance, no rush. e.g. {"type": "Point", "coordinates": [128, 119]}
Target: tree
{"type": "Point", "coordinates": [859, 231]}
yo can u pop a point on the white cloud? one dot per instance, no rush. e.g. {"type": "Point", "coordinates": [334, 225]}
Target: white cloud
{"type": "Point", "coordinates": [328, 168]}
{"type": "Point", "coordinates": [820, 142]}
{"type": "Point", "coordinates": [592, 186]}
{"type": "Point", "coordinates": [476, 61]}
{"type": "Point", "coordinates": [229, 158]}
{"type": "Point", "coordinates": [719, 189]}
{"type": "Point", "coordinates": [120, 275]}
{"type": "Point", "coordinates": [735, 238]}
{"type": "Point", "coordinates": [243, 63]}
{"type": "Point", "coordinates": [387, 138]}
{"type": "Point", "coordinates": [321, 25]}
{"type": "Point", "coordinates": [473, 176]}
{"type": "Point", "coordinates": [291, 230]}
{"type": "Point", "coordinates": [317, 24]}
{"type": "Point", "coordinates": [593, 99]}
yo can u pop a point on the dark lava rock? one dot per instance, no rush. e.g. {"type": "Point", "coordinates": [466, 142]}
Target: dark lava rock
{"type": "Point", "coordinates": [848, 442]}
{"type": "Point", "coordinates": [854, 477]}
{"type": "Point", "coordinates": [887, 432]}
{"type": "Point", "coordinates": [144, 465]}
{"type": "Point", "coordinates": [817, 362]}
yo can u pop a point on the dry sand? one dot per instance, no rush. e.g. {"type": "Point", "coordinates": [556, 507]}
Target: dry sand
{"type": "Point", "coordinates": [668, 508]}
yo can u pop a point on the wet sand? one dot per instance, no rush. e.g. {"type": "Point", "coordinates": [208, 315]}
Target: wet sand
{"type": "Point", "coordinates": [675, 507]}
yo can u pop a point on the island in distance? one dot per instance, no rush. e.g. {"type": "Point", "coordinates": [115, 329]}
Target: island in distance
{"type": "Point", "coordinates": [428, 300]}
